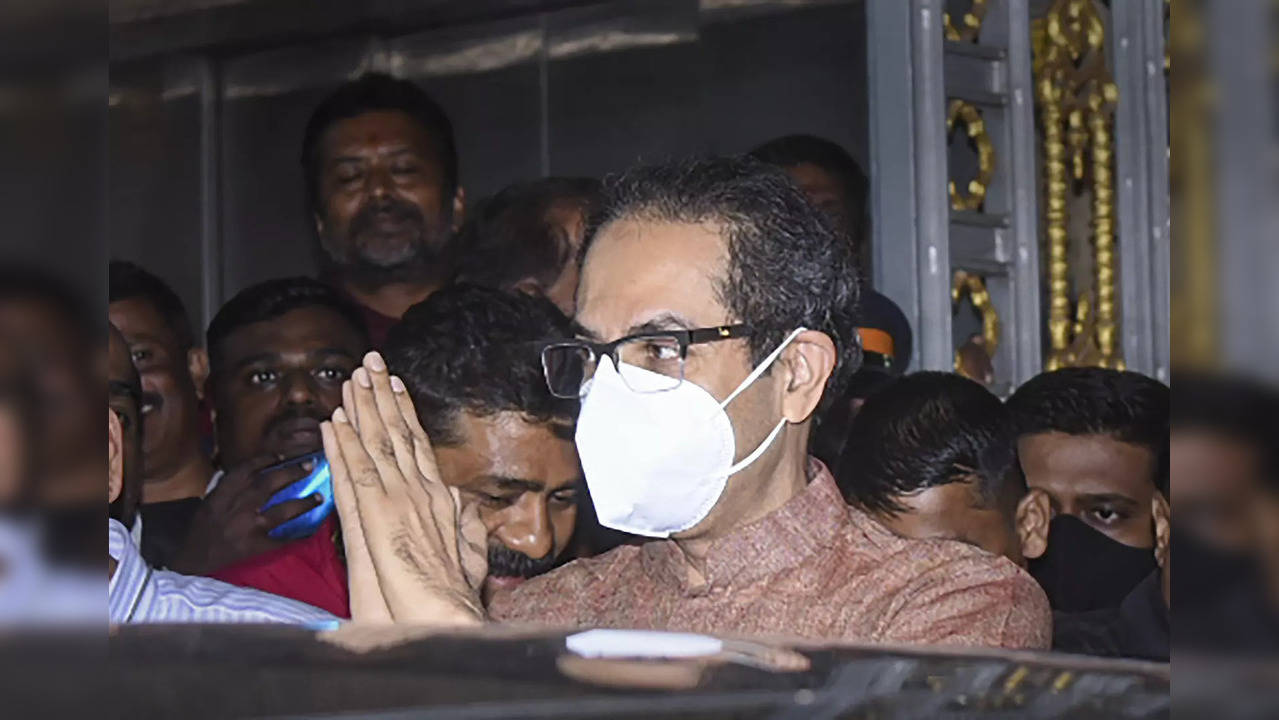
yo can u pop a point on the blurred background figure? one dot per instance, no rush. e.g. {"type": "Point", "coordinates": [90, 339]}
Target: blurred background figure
{"type": "Point", "coordinates": [1225, 472]}
{"type": "Point", "coordinates": [1222, 431]}
{"type": "Point", "coordinates": [837, 186]}
{"type": "Point", "coordinates": [52, 374]}
{"type": "Point", "coordinates": [176, 467]}
{"type": "Point", "coordinates": [527, 237]}
{"type": "Point", "coordinates": [382, 182]}
{"type": "Point", "coordinates": [15, 429]}
{"type": "Point", "coordinates": [54, 337]}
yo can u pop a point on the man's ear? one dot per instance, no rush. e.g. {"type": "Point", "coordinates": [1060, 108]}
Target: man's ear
{"type": "Point", "coordinates": [319, 224]}
{"type": "Point", "coordinates": [1034, 512]}
{"type": "Point", "coordinates": [530, 286]}
{"type": "Point", "coordinates": [115, 457]}
{"type": "Point", "coordinates": [198, 366]}
{"type": "Point", "coordinates": [459, 207]}
{"type": "Point", "coordinates": [811, 359]}
{"type": "Point", "coordinates": [1160, 510]}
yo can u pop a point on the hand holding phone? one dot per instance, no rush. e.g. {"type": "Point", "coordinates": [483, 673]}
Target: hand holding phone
{"type": "Point", "coordinates": [231, 524]}
{"type": "Point", "coordinates": [318, 481]}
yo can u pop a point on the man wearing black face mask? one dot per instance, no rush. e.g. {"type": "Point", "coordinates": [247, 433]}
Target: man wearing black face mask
{"type": "Point", "coordinates": [1096, 441]}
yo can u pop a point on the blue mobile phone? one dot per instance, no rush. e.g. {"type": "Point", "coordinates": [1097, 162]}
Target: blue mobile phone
{"type": "Point", "coordinates": [319, 480]}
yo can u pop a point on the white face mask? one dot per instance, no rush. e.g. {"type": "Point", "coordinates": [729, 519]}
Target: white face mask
{"type": "Point", "coordinates": [657, 462]}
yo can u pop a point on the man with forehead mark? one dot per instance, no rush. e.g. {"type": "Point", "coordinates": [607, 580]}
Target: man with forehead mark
{"type": "Point", "coordinates": [716, 311]}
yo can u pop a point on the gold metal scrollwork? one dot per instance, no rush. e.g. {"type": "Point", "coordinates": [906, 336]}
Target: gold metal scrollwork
{"type": "Point", "coordinates": [1076, 98]}
{"type": "Point", "coordinates": [975, 128]}
{"type": "Point", "coordinates": [975, 287]}
{"type": "Point", "coordinates": [972, 21]}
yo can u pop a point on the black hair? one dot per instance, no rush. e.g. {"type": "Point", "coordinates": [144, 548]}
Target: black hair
{"type": "Point", "coordinates": [127, 281]}
{"type": "Point", "coordinates": [792, 150]}
{"type": "Point", "coordinates": [508, 237]}
{"type": "Point", "coordinates": [272, 299]}
{"type": "Point", "coordinates": [1242, 409]}
{"type": "Point", "coordinates": [478, 350]}
{"type": "Point", "coordinates": [1120, 404]}
{"type": "Point", "coordinates": [372, 92]}
{"type": "Point", "coordinates": [35, 283]}
{"type": "Point", "coordinates": [786, 267]}
{"type": "Point", "coordinates": [925, 430]}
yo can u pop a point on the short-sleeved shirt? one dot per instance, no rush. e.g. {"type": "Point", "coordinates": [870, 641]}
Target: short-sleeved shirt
{"type": "Point", "coordinates": [814, 568]}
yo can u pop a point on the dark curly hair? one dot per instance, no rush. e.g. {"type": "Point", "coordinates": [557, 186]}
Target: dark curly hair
{"type": "Point", "coordinates": [372, 92]}
{"type": "Point", "coordinates": [792, 150]}
{"type": "Point", "coordinates": [786, 267]}
{"type": "Point", "coordinates": [272, 299]}
{"type": "Point", "coordinates": [1120, 404]}
{"type": "Point", "coordinates": [924, 430]}
{"type": "Point", "coordinates": [476, 349]}
{"type": "Point", "coordinates": [127, 281]}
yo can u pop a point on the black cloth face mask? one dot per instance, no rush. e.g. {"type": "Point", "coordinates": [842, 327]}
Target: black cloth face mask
{"type": "Point", "coordinates": [1084, 569]}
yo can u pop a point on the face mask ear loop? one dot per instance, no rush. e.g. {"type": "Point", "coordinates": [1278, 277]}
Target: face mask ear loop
{"type": "Point", "coordinates": [763, 447]}
{"type": "Point", "coordinates": [762, 367]}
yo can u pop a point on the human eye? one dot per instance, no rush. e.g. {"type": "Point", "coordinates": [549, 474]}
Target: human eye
{"type": "Point", "coordinates": [348, 173]}
{"type": "Point", "coordinates": [495, 501]}
{"type": "Point", "coordinates": [1107, 515]}
{"type": "Point", "coordinates": [567, 496]}
{"type": "Point", "coordinates": [263, 376]}
{"type": "Point", "coordinates": [332, 374]}
{"type": "Point", "coordinates": [405, 167]}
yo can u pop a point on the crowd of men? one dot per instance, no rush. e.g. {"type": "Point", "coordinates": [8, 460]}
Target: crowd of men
{"type": "Point", "coordinates": [667, 400]}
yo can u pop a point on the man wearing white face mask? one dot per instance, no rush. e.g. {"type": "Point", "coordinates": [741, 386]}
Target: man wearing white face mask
{"type": "Point", "coordinates": [716, 310]}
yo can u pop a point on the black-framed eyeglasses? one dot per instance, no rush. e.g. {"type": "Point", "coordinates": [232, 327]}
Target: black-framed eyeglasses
{"type": "Point", "coordinates": [568, 366]}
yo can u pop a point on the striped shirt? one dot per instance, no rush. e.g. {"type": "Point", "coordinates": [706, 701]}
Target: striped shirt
{"type": "Point", "coordinates": [137, 593]}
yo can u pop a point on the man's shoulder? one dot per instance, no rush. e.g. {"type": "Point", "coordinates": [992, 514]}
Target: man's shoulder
{"type": "Point", "coordinates": [565, 585]}
{"type": "Point", "coordinates": [582, 571]}
{"type": "Point", "coordinates": [933, 565]}
{"type": "Point", "coordinates": [190, 597]}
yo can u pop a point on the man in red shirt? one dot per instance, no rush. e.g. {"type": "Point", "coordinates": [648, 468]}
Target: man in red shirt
{"type": "Point", "coordinates": [278, 355]}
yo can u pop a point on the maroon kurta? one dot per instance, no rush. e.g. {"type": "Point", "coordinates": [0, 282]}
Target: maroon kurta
{"type": "Point", "coordinates": [814, 568]}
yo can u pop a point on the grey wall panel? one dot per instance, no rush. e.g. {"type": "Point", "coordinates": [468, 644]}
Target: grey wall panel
{"type": "Point", "coordinates": [153, 123]}
{"type": "Point", "coordinates": [527, 95]}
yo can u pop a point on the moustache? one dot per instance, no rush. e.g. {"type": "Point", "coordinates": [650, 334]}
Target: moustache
{"type": "Point", "coordinates": [391, 208]}
{"type": "Point", "coordinates": [292, 415]}
{"type": "Point", "coordinates": [505, 562]}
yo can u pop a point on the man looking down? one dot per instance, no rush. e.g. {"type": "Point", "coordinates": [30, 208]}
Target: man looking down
{"type": "Point", "coordinates": [469, 357]}
{"type": "Point", "coordinates": [716, 310]}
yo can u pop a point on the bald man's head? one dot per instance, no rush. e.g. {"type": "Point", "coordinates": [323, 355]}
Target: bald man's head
{"type": "Point", "coordinates": [124, 429]}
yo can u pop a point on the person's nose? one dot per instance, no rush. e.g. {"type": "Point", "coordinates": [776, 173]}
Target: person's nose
{"type": "Point", "coordinates": [298, 389]}
{"type": "Point", "coordinates": [527, 527]}
{"type": "Point", "coordinates": [378, 183]}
